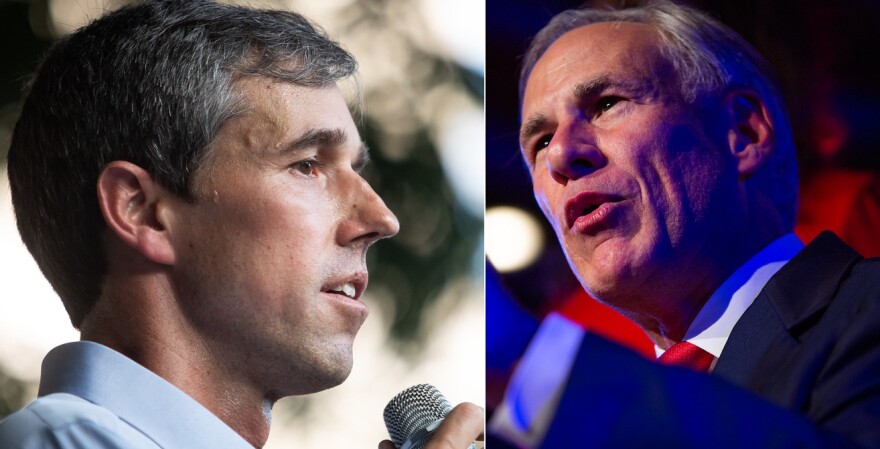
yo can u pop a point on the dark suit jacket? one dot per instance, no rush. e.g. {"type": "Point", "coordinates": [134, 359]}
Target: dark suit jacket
{"type": "Point", "coordinates": [801, 369]}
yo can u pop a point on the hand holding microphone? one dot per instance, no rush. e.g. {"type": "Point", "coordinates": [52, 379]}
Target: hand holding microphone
{"type": "Point", "coordinates": [421, 418]}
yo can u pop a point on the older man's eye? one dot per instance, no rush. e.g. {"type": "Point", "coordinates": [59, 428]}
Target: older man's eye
{"type": "Point", "coordinates": [306, 167]}
{"type": "Point", "coordinates": [543, 142]}
{"type": "Point", "coordinates": [606, 103]}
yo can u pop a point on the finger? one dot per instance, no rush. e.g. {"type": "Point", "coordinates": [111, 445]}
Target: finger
{"type": "Point", "coordinates": [460, 428]}
{"type": "Point", "coordinates": [386, 444]}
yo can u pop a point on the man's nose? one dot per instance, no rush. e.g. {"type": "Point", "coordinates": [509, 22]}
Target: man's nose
{"type": "Point", "coordinates": [368, 218]}
{"type": "Point", "coordinates": [573, 153]}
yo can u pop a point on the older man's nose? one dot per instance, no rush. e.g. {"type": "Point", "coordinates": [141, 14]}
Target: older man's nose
{"type": "Point", "coordinates": [572, 154]}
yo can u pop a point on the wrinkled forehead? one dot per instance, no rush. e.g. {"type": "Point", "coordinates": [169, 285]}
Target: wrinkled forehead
{"type": "Point", "coordinates": [627, 51]}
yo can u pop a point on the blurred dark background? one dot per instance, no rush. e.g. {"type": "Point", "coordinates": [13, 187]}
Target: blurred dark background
{"type": "Point", "coordinates": [824, 54]}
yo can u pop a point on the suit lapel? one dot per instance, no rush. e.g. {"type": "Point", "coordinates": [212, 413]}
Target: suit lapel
{"type": "Point", "coordinates": [762, 351]}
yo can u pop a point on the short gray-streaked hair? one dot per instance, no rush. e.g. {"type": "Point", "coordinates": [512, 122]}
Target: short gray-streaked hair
{"type": "Point", "coordinates": [150, 84]}
{"type": "Point", "coordinates": [709, 59]}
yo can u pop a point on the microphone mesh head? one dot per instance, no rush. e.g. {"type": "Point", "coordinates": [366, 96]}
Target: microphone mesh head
{"type": "Point", "coordinates": [413, 409]}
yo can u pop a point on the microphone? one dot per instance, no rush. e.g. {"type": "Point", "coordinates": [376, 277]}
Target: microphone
{"type": "Point", "coordinates": [414, 414]}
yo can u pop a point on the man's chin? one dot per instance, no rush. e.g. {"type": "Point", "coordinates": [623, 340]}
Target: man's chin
{"type": "Point", "coordinates": [324, 374]}
{"type": "Point", "coordinates": [607, 290]}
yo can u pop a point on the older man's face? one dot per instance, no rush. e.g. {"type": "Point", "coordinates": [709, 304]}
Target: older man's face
{"type": "Point", "coordinates": [628, 175]}
{"type": "Point", "coordinates": [271, 256]}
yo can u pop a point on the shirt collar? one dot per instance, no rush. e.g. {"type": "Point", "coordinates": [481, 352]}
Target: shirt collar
{"type": "Point", "coordinates": [714, 322]}
{"type": "Point", "coordinates": [138, 396]}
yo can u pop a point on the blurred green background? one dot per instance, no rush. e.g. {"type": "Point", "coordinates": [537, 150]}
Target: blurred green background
{"type": "Point", "coordinates": [421, 66]}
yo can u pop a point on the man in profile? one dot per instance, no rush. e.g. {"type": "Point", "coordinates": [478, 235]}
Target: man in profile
{"type": "Point", "coordinates": [661, 154]}
{"type": "Point", "coordinates": [187, 176]}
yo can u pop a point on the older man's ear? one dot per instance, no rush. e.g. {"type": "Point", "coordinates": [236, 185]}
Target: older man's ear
{"type": "Point", "coordinates": [750, 135]}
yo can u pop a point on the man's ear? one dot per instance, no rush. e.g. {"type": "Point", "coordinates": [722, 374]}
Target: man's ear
{"type": "Point", "coordinates": [133, 205]}
{"type": "Point", "coordinates": [751, 137]}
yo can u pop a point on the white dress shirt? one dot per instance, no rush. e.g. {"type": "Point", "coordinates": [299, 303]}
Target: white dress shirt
{"type": "Point", "coordinates": [714, 322]}
{"type": "Point", "coordinates": [94, 397]}
{"type": "Point", "coordinates": [533, 393]}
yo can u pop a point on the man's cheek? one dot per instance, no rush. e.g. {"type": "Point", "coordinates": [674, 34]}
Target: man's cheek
{"type": "Point", "coordinates": [546, 203]}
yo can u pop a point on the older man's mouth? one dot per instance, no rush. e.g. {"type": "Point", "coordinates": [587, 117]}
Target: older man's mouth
{"type": "Point", "coordinates": [586, 211]}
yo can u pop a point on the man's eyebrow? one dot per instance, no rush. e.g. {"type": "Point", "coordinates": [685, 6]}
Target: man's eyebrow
{"type": "Point", "coordinates": [621, 86]}
{"type": "Point", "coordinates": [329, 138]}
{"type": "Point", "coordinates": [592, 87]}
{"type": "Point", "coordinates": [317, 137]}
{"type": "Point", "coordinates": [580, 92]}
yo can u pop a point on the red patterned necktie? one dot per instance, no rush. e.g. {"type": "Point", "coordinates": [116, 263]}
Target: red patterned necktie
{"type": "Point", "coordinates": [687, 355]}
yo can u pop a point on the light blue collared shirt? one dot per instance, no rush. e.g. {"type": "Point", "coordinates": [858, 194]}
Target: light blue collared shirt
{"type": "Point", "coordinates": [94, 397]}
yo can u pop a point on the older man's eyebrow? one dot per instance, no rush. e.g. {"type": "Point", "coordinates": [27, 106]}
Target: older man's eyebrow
{"type": "Point", "coordinates": [593, 87]}
{"type": "Point", "coordinates": [581, 91]}
{"type": "Point", "coordinates": [634, 88]}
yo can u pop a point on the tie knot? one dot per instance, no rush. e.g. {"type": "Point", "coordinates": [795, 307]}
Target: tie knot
{"type": "Point", "coordinates": [687, 355]}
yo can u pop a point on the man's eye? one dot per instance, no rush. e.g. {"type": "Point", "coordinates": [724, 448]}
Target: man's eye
{"type": "Point", "coordinates": [606, 103]}
{"type": "Point", "coordinates": [543, 142]}
{"type": "Point", "coordinates": [306, 167]}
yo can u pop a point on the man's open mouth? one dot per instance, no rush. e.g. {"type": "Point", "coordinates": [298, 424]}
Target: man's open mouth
{"type": "Point", "coordinates": [346, 289]}
{"type": "Point", "coordinates": [586, 203]}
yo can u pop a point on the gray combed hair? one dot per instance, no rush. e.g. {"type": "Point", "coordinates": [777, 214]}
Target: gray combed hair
{"type": "Point", "coordinates": [709, 59]}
